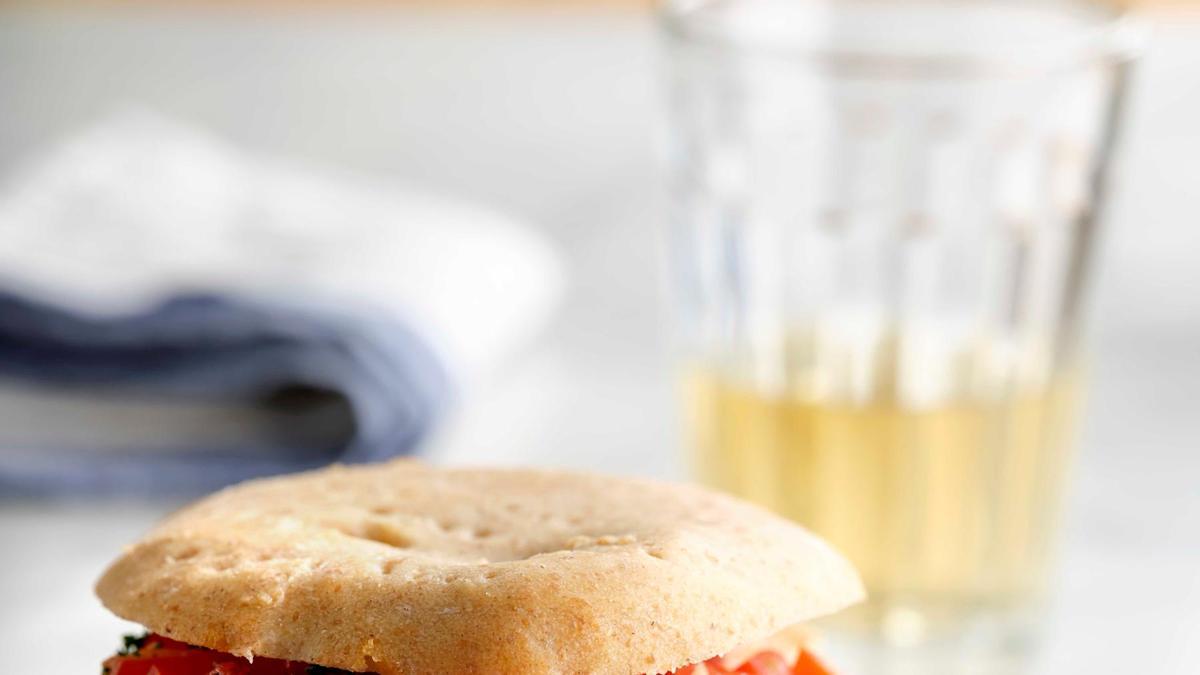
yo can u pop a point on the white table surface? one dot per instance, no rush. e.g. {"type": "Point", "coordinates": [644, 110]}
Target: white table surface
{"type": "Point", "coordinates": [550, 117]}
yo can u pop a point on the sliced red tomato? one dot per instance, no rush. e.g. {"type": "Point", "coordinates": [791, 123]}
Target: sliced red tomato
{"type": "Point", "coordinates": [165, 663]}
{"type": "Point", "coordinates": [158, 655]}
{"type": "Point", "coordinates": [807, 664]}
{"type": "Point", "coordinates": [765, 663]}
{"type": "Point", "coordinates": [716, 666]}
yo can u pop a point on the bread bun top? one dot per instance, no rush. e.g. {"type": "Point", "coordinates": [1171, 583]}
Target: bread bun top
{"type": "Point", "coordinates": [406, 569]}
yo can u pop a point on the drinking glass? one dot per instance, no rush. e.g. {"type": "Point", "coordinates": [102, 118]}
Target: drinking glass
{"type": "Point", "coordinates": [883, 223]}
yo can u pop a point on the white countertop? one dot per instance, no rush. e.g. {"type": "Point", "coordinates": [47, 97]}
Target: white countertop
{"type": "Point", "coordinates": [550, 117]}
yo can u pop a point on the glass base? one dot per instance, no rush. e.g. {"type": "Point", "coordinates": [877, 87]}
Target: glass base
{"type": "Point", "coordinates": [900, 640]}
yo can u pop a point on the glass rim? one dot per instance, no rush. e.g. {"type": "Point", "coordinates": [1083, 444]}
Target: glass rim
{"type": "Point", "coordinates": [1112, 37]}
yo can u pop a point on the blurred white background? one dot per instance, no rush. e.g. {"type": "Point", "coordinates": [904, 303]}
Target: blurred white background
{"type": "Point", "coordinates": [550, 116]}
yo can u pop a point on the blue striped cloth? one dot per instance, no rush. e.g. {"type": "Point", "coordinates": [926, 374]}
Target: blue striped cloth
{"type": "Point", "coordinates": [214, 348]}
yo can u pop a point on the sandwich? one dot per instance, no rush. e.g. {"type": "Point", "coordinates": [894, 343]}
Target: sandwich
{"type": "Point", "coordinates": [406, 569]}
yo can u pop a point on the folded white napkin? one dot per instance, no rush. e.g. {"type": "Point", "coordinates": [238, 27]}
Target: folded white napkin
{"type": "Point", "coordinates": [140, 207]}
{"type": "Point", "coordinates": [157, 285]}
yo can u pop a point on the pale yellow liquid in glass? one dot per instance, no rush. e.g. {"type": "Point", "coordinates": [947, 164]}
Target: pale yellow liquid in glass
{"type": "Point", "coordinates": [945, 510]}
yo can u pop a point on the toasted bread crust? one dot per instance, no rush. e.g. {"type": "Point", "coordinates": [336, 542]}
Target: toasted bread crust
{"type": "Point", "coordinates": [404, 569]}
